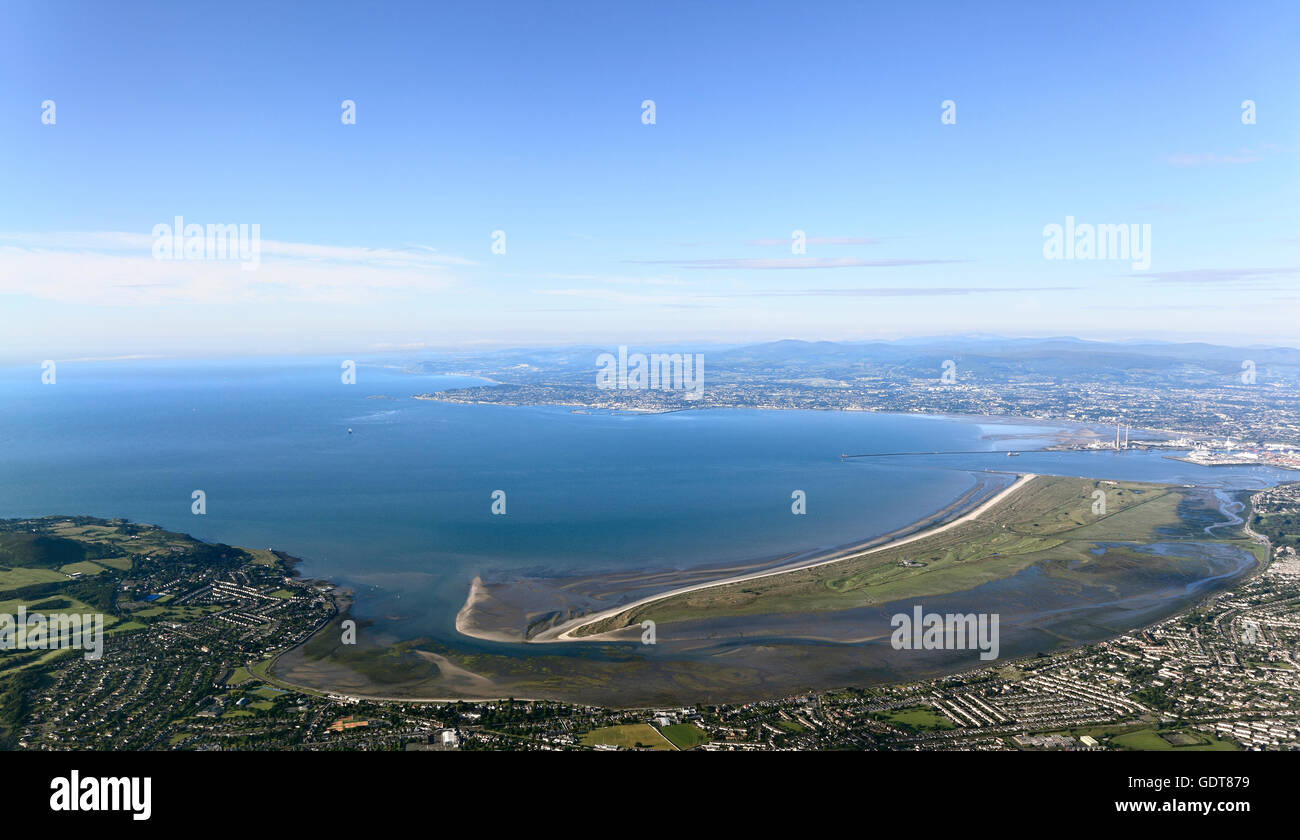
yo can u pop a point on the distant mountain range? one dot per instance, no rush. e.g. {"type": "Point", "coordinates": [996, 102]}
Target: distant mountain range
{"type": "Point", "coordinates": [987, 359]}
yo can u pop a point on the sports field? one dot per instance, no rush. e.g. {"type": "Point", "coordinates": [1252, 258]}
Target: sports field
{"type": "Point", "coordinates": [628, 736]}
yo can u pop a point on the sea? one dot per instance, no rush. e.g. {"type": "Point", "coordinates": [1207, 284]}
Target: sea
{"type": "Point", "coordinates": [394, 497]}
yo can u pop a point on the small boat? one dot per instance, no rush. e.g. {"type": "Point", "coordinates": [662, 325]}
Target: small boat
{"type": "Point", "coordinates": [1013, 454]}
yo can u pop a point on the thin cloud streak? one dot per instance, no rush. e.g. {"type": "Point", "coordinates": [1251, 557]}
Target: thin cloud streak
{"type": "Point", "coordinates": [1217, 275]}
{"type": "Point", "coordinates": [115, 268]}
{"type": "Point", "coordinates": [924, 291]}
{"type": "Point", "coordinates": [764, 264]}
{"type": "Point", "coordinates": [820, 240]}
{"type": "Point", "coordinates": [702, 299]}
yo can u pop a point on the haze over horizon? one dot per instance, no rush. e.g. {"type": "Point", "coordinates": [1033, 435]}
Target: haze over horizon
{"type": "Point", "coordinates": [917, 218]}
{"type": "Point", "coordinates": [416, 351]}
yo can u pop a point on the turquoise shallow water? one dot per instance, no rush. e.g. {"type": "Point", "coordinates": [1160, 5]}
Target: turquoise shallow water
{"type": "Point", "coordinates": [401, 508]}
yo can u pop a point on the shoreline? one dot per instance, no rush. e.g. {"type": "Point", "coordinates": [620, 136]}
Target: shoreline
{"type": "Point", "coordinates": [1196, 603]}
{"type": "Point", "coordinates": [1062, 427]}
{"type": "Point", "coordinates": [962, 505]}
{"type": "Point", "coordinates": [564, 632]}
{"type": "Point", "coordinates": [477, 594]}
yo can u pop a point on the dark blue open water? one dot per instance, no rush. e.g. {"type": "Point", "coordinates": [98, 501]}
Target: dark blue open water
{"type": "Point", "coordinates": [400, 508]}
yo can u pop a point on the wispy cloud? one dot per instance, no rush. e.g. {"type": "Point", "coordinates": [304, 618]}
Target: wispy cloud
{"type": "Point", "coordinates": [735, 264]}
{"type": "Point", "coordinates": [1246, 155]}
{"type": "Point", "coordinates": [617, 280]}
{"type": "Point", "coordinates": [820, 240]}
{"type": "Point", "coordinates": [1218, 275]}
{"type": "Point", "coordinates": [118, 268]}
{"type": "Point", "coordinates": [635, 298]}
{"type": "Point", "coordinates": [1212, 159]}
{"type": "Point", "coordinates": [711, 298]}
{"type": "Point", "coordinates": [909, 291]}
{"type": "Point", "coordinates": [1166, 307]}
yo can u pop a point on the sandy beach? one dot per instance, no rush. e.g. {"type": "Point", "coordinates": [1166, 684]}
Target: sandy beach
{"type": "Point", "coordinates": [564, 632]}
{"type": "Point", "coordinates": [476, 595]}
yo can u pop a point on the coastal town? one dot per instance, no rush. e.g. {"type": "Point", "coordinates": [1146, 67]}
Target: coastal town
{"type": "Point", "coordinates": [1209, 402]}
{"type": "Point", "coordinates": [198, 628]}
{"type": "Point", "coordinates": [1222, 676]}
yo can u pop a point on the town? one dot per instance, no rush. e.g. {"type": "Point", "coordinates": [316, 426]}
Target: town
{"type": "Point", "coordinates": [194, 628]}
{"type": "Point", "coordinates": [1205, 400]}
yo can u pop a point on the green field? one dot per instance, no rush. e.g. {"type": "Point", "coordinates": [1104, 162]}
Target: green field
{"type": "Point", "coordinates": [267, 692]}
{"type": "Point", "coordinates": [239, 676]}
{"type": "Point", "coordinates": [18, 660]}
{"type": "Point", "coordinates": [60, 603]}
{"type": "Point", "coordinates": [263, 556]}
{"type": "Point", "coordinates": [11, 578]}
{"type": "Point", "coordinates": [685, 735]}
{"type": "Point", "coordinates": [627, 737]}
{"type": "Point", "coordinates": [1179, 740]}
{"type": "Point", "coordinates": [84, 567]}
{"type": "Point", "coordinates": [40, 551]}
{"type": "Point", "coordinates": [920, 718]}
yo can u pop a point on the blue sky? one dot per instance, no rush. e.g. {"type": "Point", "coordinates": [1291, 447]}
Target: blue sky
{"type": "Point", "coordinates": [527, 118]}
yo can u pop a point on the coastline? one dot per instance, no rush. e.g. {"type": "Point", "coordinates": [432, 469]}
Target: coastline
{"type": "Point", "coordinates": [1066, 430]}
{"type": "Point", "coordinates": [564, 632]}
{"type": "Point", "coordinates": [477, 594]}
{"type": "Point", "coordinates": [480, 594]}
